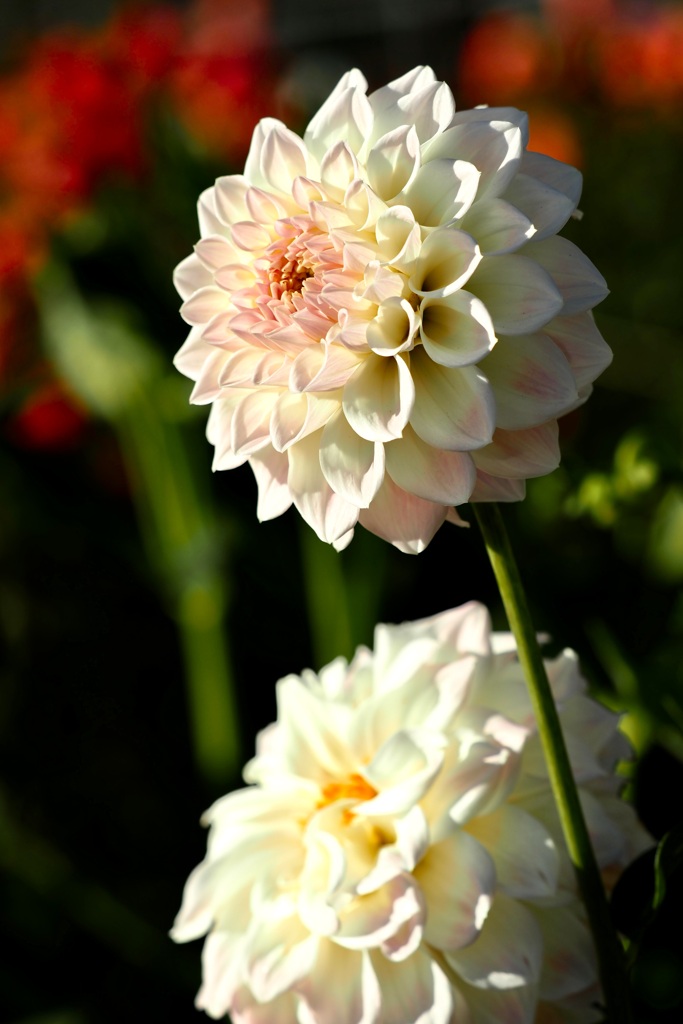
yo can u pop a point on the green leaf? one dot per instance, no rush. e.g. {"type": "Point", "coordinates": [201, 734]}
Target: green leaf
{"type": "Point", "coordinates": [668, 859]}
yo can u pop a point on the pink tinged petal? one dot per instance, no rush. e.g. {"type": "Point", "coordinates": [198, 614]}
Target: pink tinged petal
{"type": "Point", "coordinates": [347, 115]}
{"type": "Point", "coordinates": [221, 976]}
{"type": "Point", "coordinates": [250, 236]}
{"type": "Point", "coordinates": [295, 416]}
{"type": "Point", "coordinates": [430, 473]}
{"type": "Point", "coordinates": [521, 454]}
{"type": "Point", "coordinates": [491, 488]}
{"type": "Point", "coordinates": [406, 521]}
{"type": "Point", "coordinates": [378, 398]}
{"type": "Point", "coordinates": [417, 992]}
{"type": "Point", "coordinates": [393, 328]}
{"type": "Point", "coordinates": [497, 226]}
{"type": "Point", "coordinates": [456, 329]}
{"type": "Point", "coordinates": [206, 386]}
{"type": "Point", "coordinates": [531, 379]}
{"type": "Point", "coordinates": [190, 276]}
{"type": "Point", "coordinates": [354, 997]}
{"type": "Point", "coordinates": [402, 771]}
{"type": "Point", "coordinates": [362, 206]}
{"type": "Point", "coordinates": [398, 237]}
{"type": "Point", "coordinates": [305, 191]}
{"type": "Point", "coordinates": [429, 107]}
{"type": "Point", "coordinates": [339, 167]}
{"type": "Point", "coordinates": [507, 954]}
{"type": "Point", "coordinates": [235, 276]}
{"type": "Point", "coordinates": [210, 222]}
{"type": "Point", "coordinates": [441, 191]}
{"type": "Point", "coordinates": [379, 284]}
{"type": "Point", "coordinates": [322, 368]}
{"type": "Point", "coordinates": [504, 116]}
{"type": "Point", "coordinates": [278, 953]}
{"type": "Point", "coordinates": [453, 517]}
{"type": "Point", "coordinates": [388, 95]}
{"type": "Point", "coordinates": [245, 1010]}
{"type": "Point", "coordinates": [519, 294]}
{"type": "Point", "coordinates": [310, 745]}
{"type": "Point", "coordinates": [264, 207]}
{"type": "Point", "coordinates": [547, 208]}
{"type": "Point", "coordinates": [249, 366]}
{"type": "Point", "coordinates": [569, 959]}
{"type": "Point", "coordinates": [524, 854]}
{"type": "Point", "coordinates": [193, 353]}
{"type": "Point", "coordinates": [447, 259]}
{"type": "Point", "coordinates": [458, 880]}
{"type": "Point", "coordinates": [512, 1006]}
{"type": "Point", "coordinates": [352, 466]}
{"type": "Point", "coordinates": [250, 427]}
{"type": "Point", "coordinates": [454, 407]}
{"type": "Point", "coordinates": [493, 145]}
{"type": "Point", "coordinates": [557, 175]}
{"type": "Point", "coordinates": [204, 304]}
{"type": "Point", "coordinates": [270, 469]}
{"type": "Point", "coordinates": [326, 512]}
{"type": "Point", "coordinates": [393, 161]}
{"type": "Point", "coordinates": [283, 157]}
{"type": "Point", "coordinates": [230, 193]}
{"type": "Point", "coordinates": [412, 840]}
{"type": "Point", "coordinates": [580, 283]}
{"type": "Point", "coordinates": [219, 431]}
{"type": "Point", "coordinates": [252, 166]}
{"type": "Point", "coordinates": [584, 348]}
{"type": "Point", "coordinates": [391, 917]}
{"type": "Point", "coordinates": [215, 252]}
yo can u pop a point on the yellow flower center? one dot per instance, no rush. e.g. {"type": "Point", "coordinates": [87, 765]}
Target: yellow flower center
{"type": "Point", "coordinates": [354, 788]}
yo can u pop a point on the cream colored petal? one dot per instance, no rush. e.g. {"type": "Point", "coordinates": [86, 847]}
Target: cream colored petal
{"type": "Point", "coordinates": [491, 488]}
{"type": "Point", "coordinates": [346, 114]}
{"type": "Point", "coordinates": [519, 294]}
{"type": "Point", "coordinates": [270, 469]}
{"type": "Point", "coordinates": [402, 771]}
{"type": "Point", "coordinates": [204, 304]}
{"type": "Point", "coordinates": [406, 521]}
{"type": "Point", "coordinates": [193, 353]}
{"type": "Point", "coordinates": [558, 175]}
{"type": "Point", "coordinates": [322, 368]}
{"type": "Point", "coordinates": [378, 399]}
{"type": "Point", "coordinates": [525, 856]}
{"type": "Point", "coordinates": [230, 194]}
{"type": "Point", "coordinates": [531, 380]}
{"type": "Point", "coordinates": [416, 991]}
{"type": "Point", "coordinates": [398, 238]}
{"type": "Point", "coordinates": [250, 427]}
{"type": "Point", "coordinates": [295, 416]}
{"type": "Point", "coordinates": [210, 221]}
{"type": "Point", "coordinates": [393, 329]}
{"type": "Point", "coordinates": [190, 276]}
{"type": "Point", "coordinates": [444, 477]}
{"type": "Point", "coordinates": [497, 226]}
{"type": "Point", "coordinates": [507, 954]}
{"type": "Point", "coordinates": [278, 952]}
{"type": "Point", "coordinates": [584, 348]}
{"type": "Point", "coordinates": [447, 259]}
{"type": "Point", "coordinates": [309, 742]}
{"type": "Point", "coordinates": [219, 432]}
{"type": "Point", "coordinates": [264, 207]}
{"type": "Point", "coordinates": [412, 841]}
{"type": "Point", "coordinates": [250, 236]}
{"type": "Point", "coordinates": [283, 158]}
{"type": "Point", "coordinates": [521, 454]}
{"type": "Point", "coordinates": [375, 919]}
{"type": "Point", "coordinates": [356, 993]}
{"type": "Point", "coordinates": [547, 208]}
{"type": "Point", "coordinates": [580, 283]}
{"type": "Point", "coordinates": [352, 466]}
{"type": "Point", "coordinates": [329, 515]}
{"type": "Point", "coordinates": [569, 958]}
{"type": "Point", "coordinates": [339, 167]}
{"type": "Point", "coordinates": [473, 781]}
{"type": "Point", "coordinates": [454, 408]}
{"type": "Point", "coordinates": [386, 97]}
{"type": "Point", "coordinates": [492, 144]}
{"type": "Point", "coordinates": [253, 173]}
{"type": "Point", "coordinates": [236, 276]}
{"type": "Point", "coordinates": [429, 107]}
{"type": "Point", "coordinates": [458, 880]}
{"type": "Point", "coordinates": [456, 329]}
{"type": "Point", "coordinates": [393, 161]}
{"type": "Point", "coordinates": [206, 386]}
{"type": "Point", "coordinates": [441, 191]}
{"type": "Point", "coordinates": [504, 115]}
{"type": "Point", "coordinates": [512, 1006]}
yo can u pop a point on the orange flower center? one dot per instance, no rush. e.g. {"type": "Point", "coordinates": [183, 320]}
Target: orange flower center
{"type": "Point", "coordinates": [354, 788]}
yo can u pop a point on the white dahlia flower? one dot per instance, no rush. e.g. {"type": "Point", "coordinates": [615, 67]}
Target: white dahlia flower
{"type": "Point", "coordinates": [398, 858]}
{"type": "Point", "coordinates": [383, 316]}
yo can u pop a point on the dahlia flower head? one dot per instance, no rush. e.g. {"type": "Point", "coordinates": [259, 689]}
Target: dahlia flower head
{"type": "Point", "coordinates": [398, 858]}
{"type": "Point", "coordinates": [383, 317]}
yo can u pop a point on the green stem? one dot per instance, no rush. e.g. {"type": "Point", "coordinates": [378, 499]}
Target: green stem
{"type": "Point", "coordinates": [610, 956]}
{"type": "Point", "coordinates": [326, 597]}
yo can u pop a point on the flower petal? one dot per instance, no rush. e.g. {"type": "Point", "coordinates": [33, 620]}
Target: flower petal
{"type": "Point", "coordinates": [456, 329]}
{"type": "Point", "coordinates": [531, 379]}
{"type": "Point", "coordinates": [584, 348]}
{"type": "Point", "coordinates": [569, 959]}
{"type": "Point", "coordinates": [271, 469]}
{"type": "Point", "coordinates": [546, 208]}
{"type": "Point", "coordinates": [329, 514]}
{"type": "Point", "coordinates": [358, 1000]}
{"type": "Point", "coordinates": [519, 294]}
{"type": "Point", "coordinates": [507, 954]}
{"type": "Point", "coordinates": [378, 399]}
{"type": "Point", "coordinates": [393, 161]}
{"type": "Point", "coordinates": [521, 454]}
{"type": "Point", "coordinates": [352, 466]}
{"type": "Point", "coordinates": [454, 407]}
{"type": "Point", "coordinates": [456, 913]}
{"type": "Point", "coordinates": [406, 521]}
{"type": "Point", "coordinates": [441, 476]}
{"type": "Point", "coordinates": [525, 856]}
{"type": "Point", "coordinates": [498, 226]}
{"type": "Point", "coordinates": [441, 191]}
{"type": "Point", "coordinates": [580, 283]}
{"type": "Point", "coordinates": [447, 260]}
{"type": "Point", "coordinates": [491, 144]}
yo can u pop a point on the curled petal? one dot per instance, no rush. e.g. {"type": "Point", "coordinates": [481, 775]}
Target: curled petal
{"type": "Point", "coordinates": [326, 512]}
{"type": "Point", "coordinates": [271, 469]}
{"type": "Point", "coordinates": [441, 191]}
{"type": "Point", "coordinates": [352, 466]}
{"type": "Point", "coordinates": [447, 259]}
{"type": "Point", "coordinates": [398, 237]}
{"type": "Point", "coordinates": [456, 329]}
{"type": "Point", "coordinates": [378, 399]}
{"type": "Point", "coordinates": [454, 407]}
{"type": "Point", "coordinates": [406, 521]}
{"type": "Point", "coordinates": [393, 161]}
{"type": "Point", "coordinates": [393, 328]}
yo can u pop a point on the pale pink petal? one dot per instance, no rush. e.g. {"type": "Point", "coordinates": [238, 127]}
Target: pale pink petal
{"type": "Point", "coordinates": [295, 416]}
{"type": "Point", "coordinates": [456, 329]}
{"type": "Point", "coordinates": [378, 917]}
{"type": "Point", "coordinates": [497, 226]}
{"type": "Point", "coordinates": [250, 236]}
{"type": "Point", "coordinates": [345, 114]}
{"type": "Point", "coordinates": [584, 348]}
{"type": "Point", "coordinates": [580, 283]}
{"type": "Point", "coordinates": [244, 1009]}
{"type": "Point", "coordinates": [230, 193]}
{"type": "Point", "coordinates": [278, 952]}
{"type": "Point", "coordinates": [433, 474]}
{"type": "Point", "coordinates": [339, 167]}
{"type": "Point", "coordinates": [193, 353]}
{"type": "Point", "coordinates": [271, 469]}
{"type": "Point", "coordinates": [352, 466]}
{"type": "Point", "coordinates": [507, 954]}
{"type": "Point", "coordinates": [283, 158]}
{"type": "Point", "coordinates": [416, 991]}
{"type": "Point", "coordinates": [448, 258]}
{"type": "Point", "coordinates": [521, 454]}
{"type": "Point", "coordinates": [264, 207]}
{"type": "Point", "coordinates": [456, 913]}
{"type": "Point", "coordinates": [513, 1006]}
{"type": "Point", "coordinates": [393, 161]}
{"type": "Point", "coordinates": [531, 380]}
{"type": "Point", "coordinates": [221, 976]}
{"type": "Point", "coordinates": [207, 387]}
{"type": "Point", "coordinates": [406, 521]}
{"type": "Point", "coordinates": [547, 208]}
{"type": "Point", "coordinates": [330, 516]}
{"type": "Point", "coordinates": [454, 407]}
{"type": "Point", "coordinates": [519, 294]}
{"type": "Point", "coordinates": [250, 427]}
{"type": "Point", "coordinates": [359, 1000]}
{"type": "Point", "coordinates": [441, 191]}
{"type": "Point", "coordinates": [563, 177]}
{"type": "Point", "coordinates": [493, 144]}
{"type": "Point", "coordinates": [492, 488]}
{"type": "Point", "coordinates": [219, 430]}
{"type": "Point", "coordinates": [402, 771]}
{"type": "Point", "coordinates": [525, 856]}
{"type": "Point", "coordinates": [190, 275]}
{"type": "Point", "coordinates": [378, 398]}
{"type": "Point", "coordinates": [569, 958]}
{"type": "Point", "coordinates": [210, 222]}
{"type": "Point", "coordinates": [215, 251]}
{"type": "Point", "coordinates": [204, 304]}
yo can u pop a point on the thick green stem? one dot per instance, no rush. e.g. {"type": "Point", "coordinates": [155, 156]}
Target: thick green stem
{"type": "Point", "coordinates": [610, 956]}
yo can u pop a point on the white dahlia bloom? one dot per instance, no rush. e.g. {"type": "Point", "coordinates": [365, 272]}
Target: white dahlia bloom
{"type": "Point", "coordinates": [383, 316]}
{"type": "Point", "coordinates": [398, 858]}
